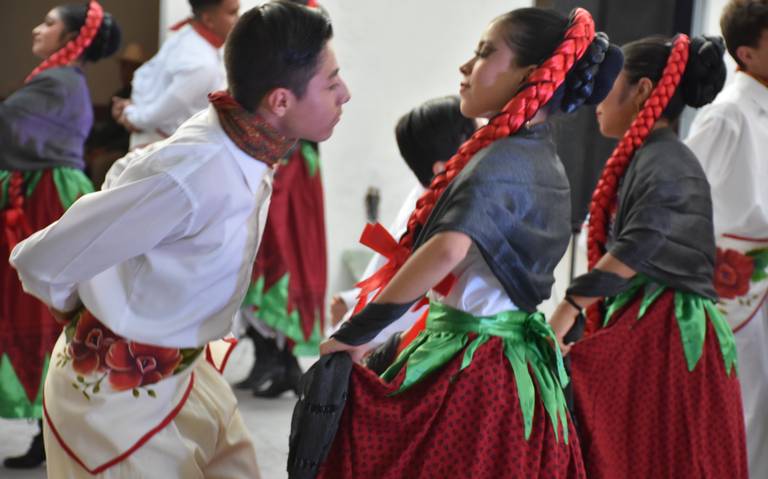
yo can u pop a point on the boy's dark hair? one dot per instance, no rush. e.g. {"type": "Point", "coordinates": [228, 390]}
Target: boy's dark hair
{"type": "Point", "coordinates": [275, 45]}
{"type": "Point", "coordinates": [432, 132]}
{"type": "Point", "coordinates": [742, 24]}
{"type": "Point", "coordinates": [199, 6]}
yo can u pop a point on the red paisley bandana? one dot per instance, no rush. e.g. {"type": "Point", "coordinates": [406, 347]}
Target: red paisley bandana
{"type": "Point", "coordinates": [249, 131]}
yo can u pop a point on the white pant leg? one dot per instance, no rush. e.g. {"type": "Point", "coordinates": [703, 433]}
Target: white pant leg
{"type": "Point", "coordinates": [207, 439]}
{"type": "Point", "coordinates": [752, 347]}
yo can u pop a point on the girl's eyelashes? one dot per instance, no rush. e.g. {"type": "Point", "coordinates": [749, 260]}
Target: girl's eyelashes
{"type": "Point", "coordinates": [484, 51]}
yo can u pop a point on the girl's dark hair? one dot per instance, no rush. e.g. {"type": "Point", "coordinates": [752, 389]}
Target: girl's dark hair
{"type": "Point", "coordinates": [106, 42]}
{"type": "Point", "coordinates": [275, 45]}
{"type": "Point", "coordinates": [704, 73]}
{"type": "Point", "coordinates": [534, 33]}
{"type": "Point", "coordinates": [432, 132]}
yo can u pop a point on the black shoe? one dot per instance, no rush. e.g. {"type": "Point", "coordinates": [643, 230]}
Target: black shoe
{"type": "Point", "coordinates": [266, 360]}
{"type": "Point", "coordinates": [34, 457]}
{"type": "Point", "coordinates": [284, 378]}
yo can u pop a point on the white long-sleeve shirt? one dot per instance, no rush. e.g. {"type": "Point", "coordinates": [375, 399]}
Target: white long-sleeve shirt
{"type": "Point", "coordinates": [163, 254]}
{"type": "Point", "coordinates": [174, 85]}
{"type": "Point", "coordinates": [730, 139]}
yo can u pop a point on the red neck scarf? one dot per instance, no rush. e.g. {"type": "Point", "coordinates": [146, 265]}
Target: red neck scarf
{"type": "Point", "coordinates": [208, 34]}
{"type": "Point", "coordinates": [249, 131]}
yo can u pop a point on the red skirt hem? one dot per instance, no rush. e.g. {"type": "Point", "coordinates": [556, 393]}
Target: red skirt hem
{"type": "Point", "coordinates": [451, 424]}
{"type": "Point", "coordinates": [27, 329]}
{"type": "Point", "coordinates": [642, 414]}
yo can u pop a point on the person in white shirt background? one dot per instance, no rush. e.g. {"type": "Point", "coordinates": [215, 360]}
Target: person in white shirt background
{"type": "Point", "coordinates": [174, 84]}
{"type": "Point", "coordinates": [151, 270]}
{"type": "Point", "coordinates": [730, 139]}
{"type": "Point", "coordinates": [427, 136]}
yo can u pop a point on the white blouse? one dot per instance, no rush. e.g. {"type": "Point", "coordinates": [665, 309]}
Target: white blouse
{"type": "Point", "coordinates": [163, 255]}
{"type": "Point", "coordinates": [477, 291]}
{"type": "Point", "coordinates": [174, 85]}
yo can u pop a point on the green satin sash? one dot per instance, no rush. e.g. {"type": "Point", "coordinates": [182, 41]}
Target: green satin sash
{"type": "Point", "coordinates": [528, 345]}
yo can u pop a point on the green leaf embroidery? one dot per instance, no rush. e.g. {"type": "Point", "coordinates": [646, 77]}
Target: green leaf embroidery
{"type": "Point", "coordinates": [760, 259]}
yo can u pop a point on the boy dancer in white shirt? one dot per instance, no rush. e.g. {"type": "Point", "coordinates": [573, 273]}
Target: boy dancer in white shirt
{"type": "Point", "coordinates": [147, 272]}
{"type": "Point", "coordinates": [174, 84]}
{"type": "Point", "coordinates": [730, 139]}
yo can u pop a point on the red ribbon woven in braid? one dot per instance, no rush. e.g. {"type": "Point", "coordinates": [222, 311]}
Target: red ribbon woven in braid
{"type": "Point", "coordinates": [540, 88]}
{"type": "Point", "coordinates": [14, 222]}
{"type": "Point", "coordinates": [604, 197]}
{"type": "Point", "coordinates": [74, 48]}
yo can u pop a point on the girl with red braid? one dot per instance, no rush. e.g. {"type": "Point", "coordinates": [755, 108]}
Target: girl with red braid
{"type": "Point", "coordinates": [655, 379]}
{"type": "Point", "coordinates": [43, 127]}
{"type": "Point", "coordinates": [478, 392]}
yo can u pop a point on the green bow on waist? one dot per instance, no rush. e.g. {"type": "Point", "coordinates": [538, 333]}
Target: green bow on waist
{"type": "Point", "coordinates": [528, 343]}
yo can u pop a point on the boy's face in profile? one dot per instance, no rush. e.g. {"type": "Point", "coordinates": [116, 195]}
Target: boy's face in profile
{"type": "Point", "coordinates": [313, 116]}
{"type": "Point", "coordinates": [756, 58]}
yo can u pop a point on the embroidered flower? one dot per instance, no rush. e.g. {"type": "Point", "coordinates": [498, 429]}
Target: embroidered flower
{"type": "Point", "coordinates": [733, 271]}
{"type": "Point", "coordinates": [134, 364]}
{"type": "Point", "coordinates": [90, 344]}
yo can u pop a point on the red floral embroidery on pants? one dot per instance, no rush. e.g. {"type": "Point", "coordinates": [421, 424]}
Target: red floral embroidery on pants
{"type": "Point", "coordinates": [733, 271]}
{"type": "Point", "coordinates": [135, 364]}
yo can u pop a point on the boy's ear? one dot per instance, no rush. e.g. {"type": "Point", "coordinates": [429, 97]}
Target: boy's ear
{"type": "Point", "coordinates": [278, 101]}
{"type": "Point", "coordinates": [205, 18]}
{"type": "Point", "coordinates": [745, 55]}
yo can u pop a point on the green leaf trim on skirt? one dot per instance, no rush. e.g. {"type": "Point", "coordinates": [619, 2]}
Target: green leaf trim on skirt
{"type": "Point", "coordinates": [71, 184]}
{"type": "Point", "coordinates": [691, 313]}
{"type": "Point", "coordinates": [14, 403]}
{"type": "Point", "coordinates": [272, 308]}
{"type": "Point", "coordinates": [528, 347]}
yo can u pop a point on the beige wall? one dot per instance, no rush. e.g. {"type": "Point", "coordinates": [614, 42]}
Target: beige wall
{"type": "Point", "coordinates": [137, 18]}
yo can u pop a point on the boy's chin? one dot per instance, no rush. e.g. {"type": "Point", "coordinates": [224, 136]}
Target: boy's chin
{"type": "Point", "coordinates": [318, 137]}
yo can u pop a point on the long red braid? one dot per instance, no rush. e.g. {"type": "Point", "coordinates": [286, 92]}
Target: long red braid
{"type": "Point", "coordinates": [605, 195]}
{"type": "Point", "coordinates": [541, 86]}
{"type": "Point", "coordinates": [15, 224]}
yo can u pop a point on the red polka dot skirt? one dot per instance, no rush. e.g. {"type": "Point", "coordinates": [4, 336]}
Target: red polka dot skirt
{"type": "Point", "coordinates": [452, 424]}
{"type": "Point", "coordinates": [642, 414]}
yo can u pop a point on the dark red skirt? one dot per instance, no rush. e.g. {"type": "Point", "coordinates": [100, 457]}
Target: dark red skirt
{"type": "Point", "coordinates": [453, 424]}
{"type": "Point", "coordinates": [642, 414]}
{"type": "Point", "coordinates": [27, 330]}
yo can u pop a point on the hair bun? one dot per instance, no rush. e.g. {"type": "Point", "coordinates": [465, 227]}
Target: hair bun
{"type": "Point", "coordinates": [106, 42]}
{"type": "Point", "coordinates": [705, 73]}
{"type": "Point", "coordinates": [590, 80]}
